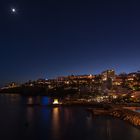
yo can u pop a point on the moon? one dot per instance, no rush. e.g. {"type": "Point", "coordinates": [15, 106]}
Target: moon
{"type": "Point", "coordinates": [13, 10]}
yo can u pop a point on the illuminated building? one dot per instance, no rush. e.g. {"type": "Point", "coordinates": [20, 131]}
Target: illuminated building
{"type": "Point", "coordinates": [118, 81]}
{"type": "Point", "coordinates": [108, 74]}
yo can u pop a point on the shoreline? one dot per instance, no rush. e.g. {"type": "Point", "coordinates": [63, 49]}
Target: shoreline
{"type": "Point", "coordinates": [124, 114]}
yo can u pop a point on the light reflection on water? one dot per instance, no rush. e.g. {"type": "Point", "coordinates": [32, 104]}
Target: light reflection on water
{"type": "Point", "coordinates": [89, 119]}
{"type": "Point", "coordinates": [16, 99]}
{"type": "Point", "coordinates": [30, 114]}
{"type": "Point", "coordinates": [57, 123]}
{"type": "Point", "coordinates": [45, 100]}
{"type": "Point", "coordinates": [30, 100]}
{"type": "Point", "coordinates": [38, 100]}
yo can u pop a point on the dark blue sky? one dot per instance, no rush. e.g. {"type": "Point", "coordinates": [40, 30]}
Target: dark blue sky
{"type": "Point", "coordinates": [49, 38]}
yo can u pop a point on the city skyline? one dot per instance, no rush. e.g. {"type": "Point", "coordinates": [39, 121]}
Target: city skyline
{"type": "Point", "coordinates": [78, 75]}
{"type": "Point", "coordinates": [54, 38]}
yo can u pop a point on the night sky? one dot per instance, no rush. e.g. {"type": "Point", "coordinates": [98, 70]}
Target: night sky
{"type": "Point", "coordinates": [49, 38]}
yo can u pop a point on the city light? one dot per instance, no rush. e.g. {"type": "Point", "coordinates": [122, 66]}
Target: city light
{"type": "Point", "coordinates": [132, 96]}
{"type": "Point", "coordinates": [55, 101]}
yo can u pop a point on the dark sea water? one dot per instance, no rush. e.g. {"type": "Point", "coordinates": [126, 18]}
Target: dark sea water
{"type": "Point", "coordinates": [21, 122]}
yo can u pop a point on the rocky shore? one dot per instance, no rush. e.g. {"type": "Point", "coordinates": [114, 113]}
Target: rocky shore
{"type": "Point", "coordinates": [127, 115]}
{"type": "Point", "coordinates": [124, 114]}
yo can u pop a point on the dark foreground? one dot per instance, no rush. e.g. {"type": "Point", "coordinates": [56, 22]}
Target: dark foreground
{"type": "Point", "coordinates": [21, 122]}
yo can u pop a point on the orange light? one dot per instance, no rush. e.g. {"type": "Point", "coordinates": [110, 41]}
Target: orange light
{"type": "Point", "coordinates": [132, 96]}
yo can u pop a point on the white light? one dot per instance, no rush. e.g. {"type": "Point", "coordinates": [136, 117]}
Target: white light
{"type": "Point", "coordinates": [13, 10]}
{"type": "Point", "coordinates": [55, 101]}
{"type": "Point", "coordinates": [132, 96]}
